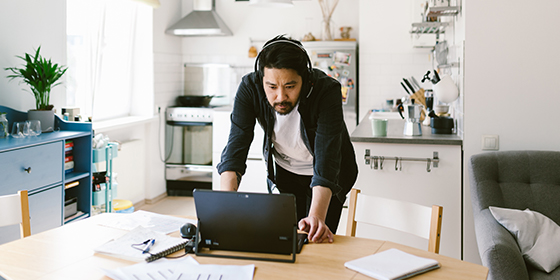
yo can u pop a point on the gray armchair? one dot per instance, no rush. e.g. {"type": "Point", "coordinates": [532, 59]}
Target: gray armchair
{"type": "Point", "coordinates": [517, 180]}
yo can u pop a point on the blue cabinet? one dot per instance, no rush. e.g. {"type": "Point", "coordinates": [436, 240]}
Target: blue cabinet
{"type": "Point", "coordinates": [37, 164]}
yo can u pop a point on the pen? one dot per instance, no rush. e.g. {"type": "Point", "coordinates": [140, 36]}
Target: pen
{"type": "Point", "coordinates": [150, 244]}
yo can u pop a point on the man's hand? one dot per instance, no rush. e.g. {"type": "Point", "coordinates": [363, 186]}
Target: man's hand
{"type": "Point", "coordinates": [317, 230]}
{"type": "Point", "coordinates": [314, 224]}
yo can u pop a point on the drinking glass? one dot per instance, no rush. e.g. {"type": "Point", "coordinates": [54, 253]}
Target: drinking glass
{"type": "Point", "coordinates": [20, 129]}
{"type": "Point", "coordinates": [34, 127]}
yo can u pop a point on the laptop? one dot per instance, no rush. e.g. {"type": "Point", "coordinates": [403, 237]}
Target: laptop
{"type": "Point", "coordinates": [248, 222]}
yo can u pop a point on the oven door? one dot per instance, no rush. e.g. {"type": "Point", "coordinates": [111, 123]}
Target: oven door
{"type": "Point", "coordinates": [188, 150]}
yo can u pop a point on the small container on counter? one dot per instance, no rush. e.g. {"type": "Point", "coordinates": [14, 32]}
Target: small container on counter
{"type": "Point", "coordinates": [3, 125]}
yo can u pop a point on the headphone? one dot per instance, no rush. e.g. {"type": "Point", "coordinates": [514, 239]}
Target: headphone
{"type": "Point", "coordinates": [283, 41]}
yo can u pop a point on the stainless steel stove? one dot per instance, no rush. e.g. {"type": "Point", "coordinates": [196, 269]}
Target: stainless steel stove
{"type": "Point", "coordinates": [188, 149]}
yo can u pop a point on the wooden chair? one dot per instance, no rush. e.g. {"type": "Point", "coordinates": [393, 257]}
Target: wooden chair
{"type": "Point", "coordinates": [422, 221]}
{"type": "Point", "coordinates": [15, 210]}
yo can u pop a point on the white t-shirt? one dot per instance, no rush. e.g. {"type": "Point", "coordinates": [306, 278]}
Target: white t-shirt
{"type": "Point", "coordinates": [289, 150]}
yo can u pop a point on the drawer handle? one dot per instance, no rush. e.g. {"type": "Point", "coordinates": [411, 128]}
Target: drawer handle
{"type": "Point", "coordinates": [28, 169]}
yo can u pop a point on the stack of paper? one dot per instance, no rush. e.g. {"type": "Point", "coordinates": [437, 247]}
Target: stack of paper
{"type": "Point", "coordinates": [181, 269]}
{"type": "Point", "coordinates": [392, 264]}
{"type": "Point", "coordinates": [130, 245]}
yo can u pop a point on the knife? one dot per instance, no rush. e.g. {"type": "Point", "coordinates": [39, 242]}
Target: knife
{"type": "Point", "coordinates": [415, 82]}
{"type": "Point", "coordinates": [405, 88]}
{"type": "Point", "coordinates": [409, 85]}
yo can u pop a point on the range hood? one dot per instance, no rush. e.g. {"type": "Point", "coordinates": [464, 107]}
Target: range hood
{"type": "Point", "coordinates": [202, 21]}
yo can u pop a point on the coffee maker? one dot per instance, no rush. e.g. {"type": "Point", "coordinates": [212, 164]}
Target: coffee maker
{"type": "Point", "coordinates": [412, 115]}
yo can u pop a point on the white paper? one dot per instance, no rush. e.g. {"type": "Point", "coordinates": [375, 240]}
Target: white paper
{"type": "Point", "coordinates": [214, 272]}
{"type": "Point", "coordinates": [181, 269]}
{"type": "Point", "coordinates": [391, 264]}
{"type": "Point", "coordinates": [123, 247]}
{"type": "Point", "coordinates": [161, 269]}
{"type": "Point", "coordinates": [156, 222]}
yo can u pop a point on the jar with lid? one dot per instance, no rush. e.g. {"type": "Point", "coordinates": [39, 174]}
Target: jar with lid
{"type": "Point", "coordinates": [3, 125]}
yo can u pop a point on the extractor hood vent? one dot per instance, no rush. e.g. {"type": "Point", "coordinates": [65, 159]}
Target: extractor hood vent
{"type": "Point", "coordinates": [202, 21]}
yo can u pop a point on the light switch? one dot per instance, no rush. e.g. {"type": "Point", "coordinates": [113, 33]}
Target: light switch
{"type": "Point", "coordinates": [490, 142]}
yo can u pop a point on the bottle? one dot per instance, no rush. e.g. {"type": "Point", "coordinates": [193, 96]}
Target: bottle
{"type": "Point", "coordinates": [3, 125]}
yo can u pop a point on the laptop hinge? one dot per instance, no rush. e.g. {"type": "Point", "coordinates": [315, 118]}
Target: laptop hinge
{"type": "Point", "coordinates": [292, 260]}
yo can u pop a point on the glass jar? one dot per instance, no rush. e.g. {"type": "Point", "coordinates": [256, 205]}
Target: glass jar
{"type": "Point", "coordinates": [3, 125]}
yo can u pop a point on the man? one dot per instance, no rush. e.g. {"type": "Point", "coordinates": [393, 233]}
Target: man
{"type": "Point", "coordinates": [307, 147]}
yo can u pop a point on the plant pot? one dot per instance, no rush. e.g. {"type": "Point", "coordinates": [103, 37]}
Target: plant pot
{"type": "Point", "coordinates": [46, 117]}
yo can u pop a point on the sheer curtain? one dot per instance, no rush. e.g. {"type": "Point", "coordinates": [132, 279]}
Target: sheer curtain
{"type": "Point", "coordinates": [110, 58]}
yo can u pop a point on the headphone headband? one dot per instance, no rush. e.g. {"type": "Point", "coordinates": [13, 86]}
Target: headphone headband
{"type": "Point", "coordinates": [309, 64]}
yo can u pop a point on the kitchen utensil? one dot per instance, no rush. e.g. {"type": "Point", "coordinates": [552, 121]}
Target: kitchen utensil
{"type": "Point", "coordinates": [412, 115]}
{"type": "Point", "coordinates": [409, 85]}
{"type": "Point", "coordinates": [436, 78]}
{"type": "Point", "coordinates": [445, 90]}
{"type": "Point", "coordinates": [426, 77]}
{"type": "Point", "coordinates": [415, 82]}
{"type": "Point", "coordinates": [441, 109]}
{"type": "Point", "coordinates": [405, 88]}
{"type": "Point", "coordinates": [441, 51]}
{"type": "Point", "coordinates": [194, 100]}
{"type": "Point", "coordinates": [442, 125]}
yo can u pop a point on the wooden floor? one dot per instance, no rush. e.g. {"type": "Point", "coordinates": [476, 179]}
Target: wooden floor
{"type": "Point", "coordinates": [172, 205]}
{"type": "Point", "coordinates": [184, 206]}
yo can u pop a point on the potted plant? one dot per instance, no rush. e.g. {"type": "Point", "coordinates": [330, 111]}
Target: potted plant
{"type": "Point", "coordinates": [41, 75]}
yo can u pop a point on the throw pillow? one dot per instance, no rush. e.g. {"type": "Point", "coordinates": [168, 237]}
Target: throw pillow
{"type": "Point", "coordinates": [537, 235]}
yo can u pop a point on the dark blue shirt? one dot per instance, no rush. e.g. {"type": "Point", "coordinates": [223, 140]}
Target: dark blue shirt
{"type": "Point", "coordinates": [323, 131]}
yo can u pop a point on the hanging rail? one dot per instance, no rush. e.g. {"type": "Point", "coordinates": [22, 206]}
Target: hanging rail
{"type": "Point", "coordinates": [377, 162]}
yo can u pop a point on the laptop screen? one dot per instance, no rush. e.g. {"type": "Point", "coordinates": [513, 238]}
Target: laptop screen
{"type": "Point", "coordinates": [250, 222]}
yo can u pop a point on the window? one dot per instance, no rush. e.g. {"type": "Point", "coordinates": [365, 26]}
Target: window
{"type": "Point", "coordinates": [110, 58]}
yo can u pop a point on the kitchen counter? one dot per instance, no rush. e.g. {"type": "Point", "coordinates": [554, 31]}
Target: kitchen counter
{"type": "Point", "coordinates": [363, 133]}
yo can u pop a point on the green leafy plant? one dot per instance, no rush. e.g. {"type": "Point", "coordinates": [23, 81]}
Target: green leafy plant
{"type": "Point", "coordinates": [41, 75]}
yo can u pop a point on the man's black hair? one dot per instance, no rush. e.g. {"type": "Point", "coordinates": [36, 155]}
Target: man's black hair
{"type": "Point", "coordinates": [284, 55]}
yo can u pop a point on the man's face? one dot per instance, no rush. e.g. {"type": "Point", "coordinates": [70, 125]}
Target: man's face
{"type": "Point", "coordinates": [282, 88]}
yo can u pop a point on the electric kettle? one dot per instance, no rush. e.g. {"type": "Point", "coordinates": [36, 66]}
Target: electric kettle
{"type": "Point", "coordinates": [412, 114]}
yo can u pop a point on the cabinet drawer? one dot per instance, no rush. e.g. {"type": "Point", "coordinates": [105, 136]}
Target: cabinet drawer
{"type": "Point", "coordinates": [45, 209]}
{"type": "Point", "coordinates": [45, 161]}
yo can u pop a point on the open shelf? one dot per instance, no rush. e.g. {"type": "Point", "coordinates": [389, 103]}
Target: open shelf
{"type": "Point", "coordinates": [429, 27]}
{"type": "Point", "coordinates": [73, 176]}
{"type": "Point", "coordinates": [78, 216]}
{"type": "Point", "coordinates": [442, 11]}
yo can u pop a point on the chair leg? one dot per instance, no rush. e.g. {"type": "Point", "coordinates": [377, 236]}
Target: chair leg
{"type": "Point", "coordinates": [351, 223]}
{"type": "Point", "coordinates": [25, 222]}
{"type": "Point", "coordinates": [435, 229]}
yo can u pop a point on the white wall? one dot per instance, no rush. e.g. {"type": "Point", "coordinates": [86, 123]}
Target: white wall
{"type": "Point", "coordinates": [260, 24]}
{"type": "Point", "coordinates": [511, 80]}
{"type": "Point", "coordinates": [24, 26]}
{"type": "Point", "coordinates": [386, 51]}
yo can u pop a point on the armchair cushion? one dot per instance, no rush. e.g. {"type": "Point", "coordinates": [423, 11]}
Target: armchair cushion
{"type": "Point", "coordinates": [538, 236]}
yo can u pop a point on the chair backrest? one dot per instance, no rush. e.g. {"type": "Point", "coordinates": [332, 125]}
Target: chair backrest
{"type": "Point", "coordinates": [422, 221]}
{"type": "Point", "coordinates": [516, 180]}
{"type": "Point", "coordinates": [15, 210]}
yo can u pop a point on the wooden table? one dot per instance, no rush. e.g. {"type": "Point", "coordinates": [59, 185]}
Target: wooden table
{"type": "Point", "coordinates": [67, 253]}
